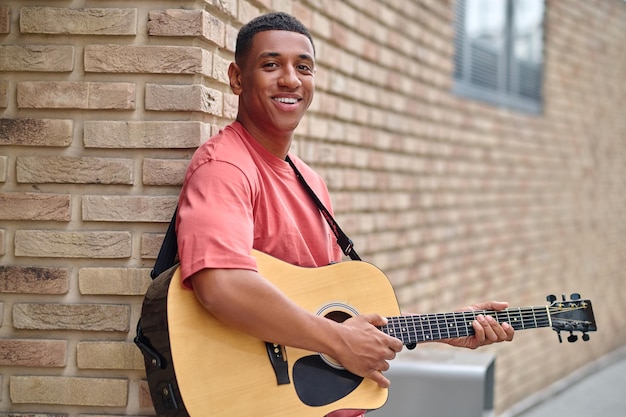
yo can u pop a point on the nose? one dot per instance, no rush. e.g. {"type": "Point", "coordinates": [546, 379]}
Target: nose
{"type": "Point", "coordinates": [289, 78]}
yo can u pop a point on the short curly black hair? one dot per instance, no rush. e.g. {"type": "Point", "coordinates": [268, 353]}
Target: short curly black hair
{"type": "Point", "coordinates": [269, 21]}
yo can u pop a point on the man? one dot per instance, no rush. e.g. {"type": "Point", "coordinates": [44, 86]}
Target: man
{"type": "Point", "coordinates": [240, 194]}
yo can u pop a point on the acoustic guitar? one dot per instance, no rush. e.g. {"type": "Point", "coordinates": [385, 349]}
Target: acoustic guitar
{"type": "Point", "coordinates": [198, 367]}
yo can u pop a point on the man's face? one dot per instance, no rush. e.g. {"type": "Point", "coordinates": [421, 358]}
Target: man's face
{"type": "Point", "coordinates": [275, 82]}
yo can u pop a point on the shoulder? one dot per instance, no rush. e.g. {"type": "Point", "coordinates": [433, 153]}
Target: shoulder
{"type": "Point", "coordinates": [227, 148]}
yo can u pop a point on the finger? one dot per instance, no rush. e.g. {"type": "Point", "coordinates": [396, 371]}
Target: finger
{"type": "Point", "coordinates": [509, 330]}
{"type": "Point", "coordinates": [488, 305]}
{"type": "Point", "coordinates": [396, 345]}
{"type": "Point", "coordinates": [375, 319]}
{"type": "Point", "coordinates": [498, 305]}
{"type": "Point", "coordinates": [493, 330]}
{"type": "Point", "coordinates": [485, 333]}
{"type": "Point", "coordinates": [378, 377]}
{"type": "Point", "coordinates": [479, 328]}
{"type": "Point", "coordinates": [391, 354]}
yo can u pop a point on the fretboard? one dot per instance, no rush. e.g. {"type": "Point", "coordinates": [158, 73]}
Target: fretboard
{"type": "Point", "coordinates": [428, 327]}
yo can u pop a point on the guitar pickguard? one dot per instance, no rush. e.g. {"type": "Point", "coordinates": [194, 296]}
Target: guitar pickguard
{"type": "Point", "coordinates": [318, 384]}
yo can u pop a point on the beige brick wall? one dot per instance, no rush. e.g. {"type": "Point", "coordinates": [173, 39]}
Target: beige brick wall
{"type": "Point", "coordinates": [102, 103]}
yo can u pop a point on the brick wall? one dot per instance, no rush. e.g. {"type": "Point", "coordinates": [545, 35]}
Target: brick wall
{"type": "Point", "coordinates": [102, 104]}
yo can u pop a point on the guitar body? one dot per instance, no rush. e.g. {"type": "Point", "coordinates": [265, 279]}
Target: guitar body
{"type": "Point", "coordinates": [198, 367]}
{"type": "Point", "coordinates": [221, 372]}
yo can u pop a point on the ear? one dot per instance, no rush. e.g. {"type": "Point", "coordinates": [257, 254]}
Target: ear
{"type": "Point", "coordinates": [234, 75]}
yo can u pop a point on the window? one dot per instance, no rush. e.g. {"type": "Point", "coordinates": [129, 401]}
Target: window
{"type": "Point", "coordinates": [499, 52]}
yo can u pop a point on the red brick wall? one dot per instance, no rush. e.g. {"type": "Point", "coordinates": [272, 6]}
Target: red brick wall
{"type": "Point", "coordinates": [455, 200]}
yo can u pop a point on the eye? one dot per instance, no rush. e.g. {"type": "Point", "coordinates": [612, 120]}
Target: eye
{"type": "Point", "coordinates": [305, 68]}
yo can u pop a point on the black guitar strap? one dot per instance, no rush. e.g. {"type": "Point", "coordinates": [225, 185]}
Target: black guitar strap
{"type": "Point", "coordinates": [169, 250]}
{"type": "Point", "coordinates": [344, 242]}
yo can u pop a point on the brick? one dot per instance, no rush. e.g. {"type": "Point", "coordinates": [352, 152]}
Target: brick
{"type": "Point", "coordinates": [35, 206]}
{"type": "Point", "coordinates": [220, 69]}
{"type": "Point", "coordinates": [145, 399]}
{"type": "Point", "coordinates": [151, 244]}
{"type": "Point", "coordinates": [108, 355]}
{"type": "Point", "coordinates": [37, 58]}
{"type": "Point", "coordinates": [231, 106]}
{"type": "Point", "coordinates": [83, 317]}
{"type": "Point", "coordinates": [179, 22]}
{"type": "Point", "coordinates": [4, 95]}
{"type": "Point", "coordinates": [147, 59]}
{"type": "Point", "coordinates": [34, 280]}
{"type": "Point", "coordinates": [102, 415]}
{"type": "Point", "coordinates": [3, 168]}
{"type": "Point", "coordinates": [128, 208]}
{"type": "Point", "coordinates": [184, 98]}
{"type": "Point", "coordinates": [68, 244]}
{"type": "Point", "coordinates": [170, 135]}
{"type": "Point", "coordinates": [16, 414]}
{"type": "Point", "coordinates": [231, 39]}
{"type": "Point", "coordinates": [228, 7]}
{"type": "Point", "coordinates": [94, 392]}
{"type": "Point", "coordinates": [75, 95]}
{"type": "Point", "coordinates": [33, 353]}
{"type": "Point", "coordinates": [73, 170]}
{"type": "Point", "coordinates": [163, 171]}
{"type": "Point", "coordinates": [113, 281]}
{"type": "Point", "coordinates": [5, 19]}
{"type": "Point", "coordinates": [36, 132]}
{"type": "Point", "coordinates": [66, 21]}
{"type": "Point", "coordinates": [246, 11]}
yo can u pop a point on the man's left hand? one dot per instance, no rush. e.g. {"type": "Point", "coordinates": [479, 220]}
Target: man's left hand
{"type": "Point", "coordinates": [487, 330]}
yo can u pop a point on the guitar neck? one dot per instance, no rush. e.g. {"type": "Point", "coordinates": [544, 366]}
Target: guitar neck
{"type": "Point", "coordinates": [419, 328]}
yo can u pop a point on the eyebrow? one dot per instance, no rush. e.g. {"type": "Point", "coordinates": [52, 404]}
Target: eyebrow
{"type": "Point", "coordinates": [277, 54]}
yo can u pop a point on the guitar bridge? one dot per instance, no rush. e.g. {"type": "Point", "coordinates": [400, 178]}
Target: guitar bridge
{"type": "Point", "coordinates": [278, 360]}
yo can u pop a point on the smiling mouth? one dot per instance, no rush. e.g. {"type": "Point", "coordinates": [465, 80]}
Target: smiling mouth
{"type": "Point", "coordinates": [286, 100]}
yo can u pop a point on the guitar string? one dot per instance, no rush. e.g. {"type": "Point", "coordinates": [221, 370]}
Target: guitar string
{"type": "Point", "coordinates": [524, 317]}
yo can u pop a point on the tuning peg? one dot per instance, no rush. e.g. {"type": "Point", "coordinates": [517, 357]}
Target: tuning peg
{"type": "Point", "coordinates": [551, 298]}
{"type": "Point", "coordinates": [575, 296]}
{"type": "Point", "coordinates": [563, 297]}
{"type": "Point", "coordinates": [585, 337]}
{"type": "Point", "coordinates": [572, 337]}
{"type": "Point", "coordinates": [558, 333]}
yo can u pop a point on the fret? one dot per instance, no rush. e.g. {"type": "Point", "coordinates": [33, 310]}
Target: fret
{"type": "Point", "coordinates": [466, 326]}
{"type": "Point", "coordinates": [528, 319]}
{"type": "Point", "coordinates": [439, 321]}
{"type": "Point", "coordinates": [430, 332]}
{"type": "Point", "coordinates": [430, 327]}
{"type": "Point", "coordinates": [448, 325]}
{"type": "Point", "coordinates": [415, 331]}
{"type": "Point", "coordinates": [519, 319]}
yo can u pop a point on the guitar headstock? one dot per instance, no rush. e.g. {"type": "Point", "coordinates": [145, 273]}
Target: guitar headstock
{"type": "Point", "coordinates": [574, 315]}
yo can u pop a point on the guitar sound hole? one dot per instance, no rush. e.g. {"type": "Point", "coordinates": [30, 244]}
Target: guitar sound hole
{"type": "Point", "coordinates": [338, 316]}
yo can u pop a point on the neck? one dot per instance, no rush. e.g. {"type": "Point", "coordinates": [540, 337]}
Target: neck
{"type": "Point", "coordinates": [419, 328]}
{"type": "Point", "coordinates": [277, 143]}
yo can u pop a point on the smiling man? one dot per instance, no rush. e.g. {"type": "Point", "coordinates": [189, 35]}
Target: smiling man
{"type": "Point", "coordinates": [241, 194]}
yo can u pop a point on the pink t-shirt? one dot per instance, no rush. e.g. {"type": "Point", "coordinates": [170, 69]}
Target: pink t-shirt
{"type": "Point", "coordinates": [238, 196]}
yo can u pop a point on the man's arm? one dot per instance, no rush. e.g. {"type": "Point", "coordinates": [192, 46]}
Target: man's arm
{"type": "Point", "coordinates": [248, 302]}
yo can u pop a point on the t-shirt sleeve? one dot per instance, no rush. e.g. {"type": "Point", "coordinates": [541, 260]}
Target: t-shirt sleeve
{"type": "Point", "coordinates": [215, 225]}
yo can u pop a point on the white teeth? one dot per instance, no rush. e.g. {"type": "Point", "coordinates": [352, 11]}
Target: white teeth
{"type": "Point", "coordinates": [286, 100]}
